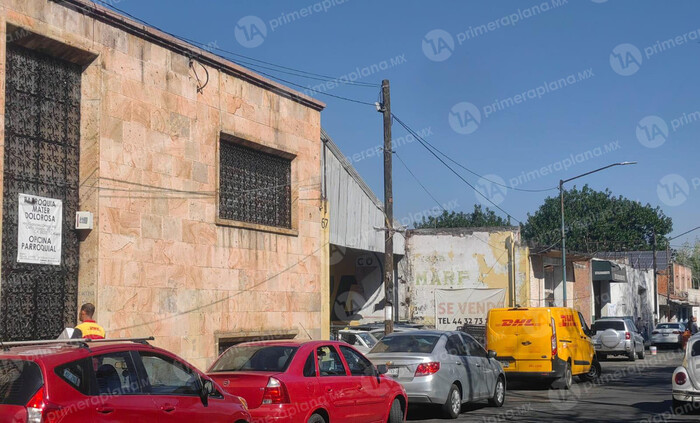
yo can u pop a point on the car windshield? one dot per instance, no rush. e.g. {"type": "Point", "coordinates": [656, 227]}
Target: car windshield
{"type": "Point", "coordinates": [669, 326]}
{"type": "Point", "coordinates": [602, 325]}
{"type": "Point", "coordinates": [369, 339]}
{"type": "Point", "coordinates": [406, 343]}
{"type": "Point", "coordinates": [258, 358]}
{"type": "Point", "coordinates": [19, 381]}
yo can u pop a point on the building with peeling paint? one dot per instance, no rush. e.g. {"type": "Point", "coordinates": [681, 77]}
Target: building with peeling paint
{"type": "Point", "coordinates": [451, 277]}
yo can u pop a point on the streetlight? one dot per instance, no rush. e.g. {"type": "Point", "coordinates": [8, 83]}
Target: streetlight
{"type": "Point", "coordinates": [563, 230]}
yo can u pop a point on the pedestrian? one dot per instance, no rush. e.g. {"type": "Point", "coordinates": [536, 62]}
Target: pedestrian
{"type": "Point", "coordinates": [89, 329]}
{"type": "Point", "coordinates": [694, 325]}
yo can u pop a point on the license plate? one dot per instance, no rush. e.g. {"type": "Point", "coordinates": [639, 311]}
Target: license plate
{"type": "Point", "coordinates": [665, 334]}
{"type": "Point", "coordinates": [393, 372]}
{"type": "Point", "coordinates": [505, 364]}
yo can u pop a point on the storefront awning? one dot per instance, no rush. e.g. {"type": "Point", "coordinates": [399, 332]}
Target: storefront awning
{"type": "Point", "coordinates": [608, 271]}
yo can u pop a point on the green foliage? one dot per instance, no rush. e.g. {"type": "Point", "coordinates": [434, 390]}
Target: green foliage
{"type": "Point", "coordinates": [479, 218]}
{"type": "Point", "coordinates": [689, 256]}
{"type": "Point", "coordinates": [598, 221]}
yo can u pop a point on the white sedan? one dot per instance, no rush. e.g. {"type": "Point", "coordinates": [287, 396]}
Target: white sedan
{"type": "Point", "coordinates": [686, 378]}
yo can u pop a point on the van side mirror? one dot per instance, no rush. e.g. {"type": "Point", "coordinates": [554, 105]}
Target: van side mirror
{"type": "Point", "coordinates": [492, 354]}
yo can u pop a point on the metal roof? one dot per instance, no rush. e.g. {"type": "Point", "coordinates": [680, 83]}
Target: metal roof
{"type": "Point", "coordinates": [642, 260]}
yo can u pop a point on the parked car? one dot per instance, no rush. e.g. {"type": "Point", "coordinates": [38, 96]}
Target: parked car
{"type": "Point", "coordinates": [378, 330]}
{"type": "Point", "coordinates": [668, 334]}
{"type": "Point", "coordinates": [445, 368]}
{"type": "Point", "coordinates": [686, 378]}
{"type": "Point", "coordinates": [618, 336]}
{"type": "Point", "coordinates": [314, 381]}
{"type": "Point", "coordinates": [548, 343]}
{"type": "Point", "coordinates": [85, 381]}
{"type": "Point", "coordinates": [363, 341]}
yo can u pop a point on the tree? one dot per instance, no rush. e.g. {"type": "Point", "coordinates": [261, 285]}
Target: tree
{"type": "Point", "coordinates": [477, 219]}
{"type": "Point", "coordinates": [598, 221]}
{"type": "Point", "coordinates": [689, 256]}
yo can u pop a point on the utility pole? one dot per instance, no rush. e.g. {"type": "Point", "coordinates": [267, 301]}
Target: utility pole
{"type": "Point", "coordinates": [669, 278]}
{"type": "Point", "coordinates": [656, 286]}
{"type": "Point", "coordinates": [388, 212]}
{"type": "Point", "coordinates": [563, 243]}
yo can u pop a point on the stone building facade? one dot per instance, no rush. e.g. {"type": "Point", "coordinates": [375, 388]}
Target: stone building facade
{"type": "Point", "coordinates": [202, 177]}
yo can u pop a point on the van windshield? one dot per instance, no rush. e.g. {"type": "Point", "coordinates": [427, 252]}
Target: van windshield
{"type": "Point", "coordinates": [19, 381]}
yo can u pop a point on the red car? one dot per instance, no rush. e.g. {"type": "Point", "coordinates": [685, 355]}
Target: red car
{"type": "Point", "coordinates": [82, 381]}
{"type": "Point", "coordinates": [314, 382]}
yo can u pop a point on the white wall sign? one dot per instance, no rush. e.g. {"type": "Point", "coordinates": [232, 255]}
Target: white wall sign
{"type": "Point", "coordinates": [39, 230]}
{"type": "Point", "coordinates": [456, 307]}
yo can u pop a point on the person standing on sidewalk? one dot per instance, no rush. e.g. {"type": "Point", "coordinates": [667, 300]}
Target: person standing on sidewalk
{"type": "Point", "coordinates": [88, 327]}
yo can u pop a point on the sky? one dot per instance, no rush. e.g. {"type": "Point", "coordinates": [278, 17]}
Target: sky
{"type": "Point", "coordinates": [522, 93]}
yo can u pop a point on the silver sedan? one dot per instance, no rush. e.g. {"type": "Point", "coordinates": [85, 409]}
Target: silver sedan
{"type": "Point", "coordinates": [445, 368]}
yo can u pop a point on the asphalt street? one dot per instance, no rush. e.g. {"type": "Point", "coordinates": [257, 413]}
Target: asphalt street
{"type": "Point", "coordinates": [626, 392]}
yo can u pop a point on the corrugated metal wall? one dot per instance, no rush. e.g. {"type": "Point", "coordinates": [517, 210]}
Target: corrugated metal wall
{"type": "Point", "coordinates": [355, 212]}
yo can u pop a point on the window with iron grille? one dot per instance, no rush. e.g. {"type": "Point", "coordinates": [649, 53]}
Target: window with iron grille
{"type": "Point", "coordinates": [254, 186]}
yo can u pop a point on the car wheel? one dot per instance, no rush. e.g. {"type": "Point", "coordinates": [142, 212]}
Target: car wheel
{"type": "Point", "coordinates": [593, 373]}
{"type": "Point", "coordinates": [641, 354]}
{"type": "Point", "coordinates": [316, 418]}
{"type": "Point", "coordinates": [499, 394]}
{"type": "Point", "coordinates": [396, 414]}
{"type": "Point", "coordinates": [602, 356]}
{"type": "Point", "coordinates": [632, 355]}
{"type": "Point", "coordinates": [566, 380]}
{"type": "Point", "coordinates": [453, 405]}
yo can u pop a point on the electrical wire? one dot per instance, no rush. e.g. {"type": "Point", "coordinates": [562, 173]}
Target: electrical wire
{"type": "Point", "coordinates": [280, 68]}
{"type": "Point", "coordinates": [419, 182]}
{"type": "Point", "coordinates": [424, 144]}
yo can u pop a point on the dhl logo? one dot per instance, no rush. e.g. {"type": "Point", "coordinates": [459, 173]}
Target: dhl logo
{"type": "Point", "coordinates": [567, 320]}
{"type": "Point", "coordinates": [517, 322]}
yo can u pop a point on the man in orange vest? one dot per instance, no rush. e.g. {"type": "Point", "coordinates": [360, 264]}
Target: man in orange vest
{"type": "Point", "coordinates": [89, 328]}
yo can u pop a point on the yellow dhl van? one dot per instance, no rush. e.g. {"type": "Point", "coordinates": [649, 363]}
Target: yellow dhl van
{"type": "Point", "coordinates": [542, 342]}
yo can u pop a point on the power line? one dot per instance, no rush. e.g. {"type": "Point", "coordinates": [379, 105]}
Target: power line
{"type": "Point", "coordinates": [419, 182]}
{"type": "Point", "coordinates": [424, 144]}
{"type": "Point", "coordinates": [280, 68]}
{"type": "Point", "coordinates": [483, 177]}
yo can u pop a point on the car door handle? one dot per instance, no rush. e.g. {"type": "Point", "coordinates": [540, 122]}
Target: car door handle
{"type": "Point", "coordinates": [360, 388]}
{"type": "Point", "coordinates": [104, 410]}
{"type": "Point", "coordinates": [459, 363]}
{"type": "Point", "coordinates": [329, 389]}
{"type": "Point", "coordinates": [168, 408]}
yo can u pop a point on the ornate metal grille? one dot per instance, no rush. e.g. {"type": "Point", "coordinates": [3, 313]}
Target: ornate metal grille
{"type": "Point", "coordinates": [254, 187]}
{"type": "Point", "coordinates": [42, 151]}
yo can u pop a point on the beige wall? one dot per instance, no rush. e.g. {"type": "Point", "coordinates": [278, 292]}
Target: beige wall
{"type": "Point", "coordinates": [156, 262]}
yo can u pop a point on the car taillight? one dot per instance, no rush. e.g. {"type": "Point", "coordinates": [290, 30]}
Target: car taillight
{"type": "Point", "coordinates": [275, 392]}
{"type": "Point", "coordinates": [427, 369]}
{"type": "Point", "coordinates": [554, 338]}
{"type": "Point", "coordinates": [655, 332]}
{"type": "Point", "coordinates": [40, 411]}
{"type": "Point", "coordinates": [681, 378]}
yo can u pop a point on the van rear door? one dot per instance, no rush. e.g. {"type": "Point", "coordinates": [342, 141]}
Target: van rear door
{"type": "Point", "coordinates": [523, 337]}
